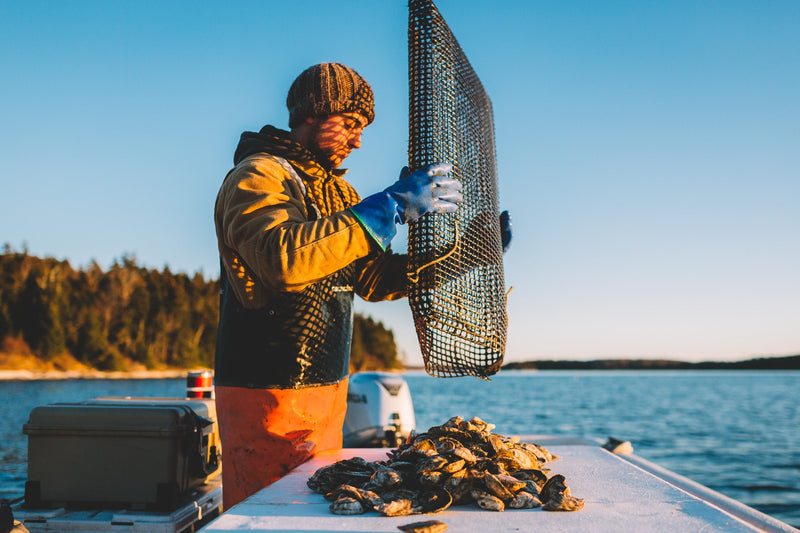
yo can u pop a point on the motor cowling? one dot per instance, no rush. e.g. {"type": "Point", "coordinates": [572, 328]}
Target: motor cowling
{"type": "Point", "coordinates": [380, 413]}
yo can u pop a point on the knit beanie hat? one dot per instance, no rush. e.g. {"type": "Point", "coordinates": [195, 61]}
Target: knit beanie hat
{"type": "Point", "coordinates": [326, 89]}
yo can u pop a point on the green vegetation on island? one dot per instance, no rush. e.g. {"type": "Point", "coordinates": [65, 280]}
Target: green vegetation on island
{"type": "Point", "coordinates": [127, 318]}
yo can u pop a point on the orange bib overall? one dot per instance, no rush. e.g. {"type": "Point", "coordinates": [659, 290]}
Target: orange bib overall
{"type": "Point", "coordinates": [268, 432]}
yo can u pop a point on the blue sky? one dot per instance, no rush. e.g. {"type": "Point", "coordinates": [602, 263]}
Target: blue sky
{"type": "Point", "coordinates": [649, 152]}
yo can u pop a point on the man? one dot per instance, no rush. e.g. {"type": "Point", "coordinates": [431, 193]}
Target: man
{"type": "Point", "coordinates": [295, 242]}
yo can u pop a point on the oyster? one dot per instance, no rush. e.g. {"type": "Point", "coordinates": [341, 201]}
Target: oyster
{"type": "Point", "coordinates": [367, 498]}
{"type": "Point", "coordinates": [384, 479]}
{"type": "Point", "coordinates": [446, 444]}
{"type": "Point", "coordinates": [563, 502]}
{"type": "Point", "coordinates": [487, 501]}
{"type": "Point", "coordinates": [462, 493]}
{"type": "Point", "coordinates": [555, 485]}
{"type": "Point", "coordinates": [353, 471]}
{"type": "Point", "coordinates": [511, 483]}
{"type": "Point", "coordinates": [347, 506]}
{"type": "Point", "coordinates": [531, 474]}
{"type": "Point", "coordinates": [430, 526]}
{"type": "Point", "coordinates": [433, 501]}
{"type": "Point", "coordinates": [401, 507]}
{"type": "Point", "coordinates": [430, 478]}
{"type": "Point", "coordinates": [454, 466]}
{"type": "Point", "coordinates": [495, 487]}
{"type": "Point", "coordinates": [524, 500]}
{"type": "Point", "coordinates": [555, 496]}
{"type": "Point", "coordinates": [464, 453]}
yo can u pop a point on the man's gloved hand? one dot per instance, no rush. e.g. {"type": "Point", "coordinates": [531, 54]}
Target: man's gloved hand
{"type": "Point", "coordinates": [505, 230]}
{"type": "Point", "coordinates": [428, 190]}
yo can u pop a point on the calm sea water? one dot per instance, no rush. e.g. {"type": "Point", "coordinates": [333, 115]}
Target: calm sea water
{"type": "Point", "coordinates": [736, 432]}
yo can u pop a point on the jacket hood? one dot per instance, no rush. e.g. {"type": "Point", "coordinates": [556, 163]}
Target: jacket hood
{"type": "Point", "coordinates": [274, 141]}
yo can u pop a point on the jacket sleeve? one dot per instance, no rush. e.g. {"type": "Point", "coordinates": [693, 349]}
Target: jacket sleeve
{"type": "Point", "coordinates": [382, 277]}
{"type": "Point", "coordinates": [260, 217]}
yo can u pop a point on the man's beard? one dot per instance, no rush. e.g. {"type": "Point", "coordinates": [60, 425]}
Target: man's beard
{"type": "Point", "coordinates": [323, 158]}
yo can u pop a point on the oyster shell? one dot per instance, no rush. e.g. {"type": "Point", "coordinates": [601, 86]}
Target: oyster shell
{"type": "Point", "coordinates": [464, 453]}
{"type": "Point", "coordinates": [433, 501]}
{"type": "Point", "coordinates": [511, 483]}
{"type": "Point", "coordinates": [430, 526]}
{"type": "Point", "coordinates": [402, 507]}
{"type": "Point", "coordinates": [487, 501]}
{"type": "Point", "coordinates": [563, 502]}
{"type": "Point", "coordinates": [531, 474]}
{"type": "Point", "coordinates": [495, 487]}
{"type": "Point", "coordinates": [384, 479]}
{"type": "Point", "coordinates": [367, 498]}
{"type": "Point", "coordinates": [555, 485]}
{"type": "Point", "coordinates": [523, 500]}
{"type": "Point", "coordinates": [347, 506]}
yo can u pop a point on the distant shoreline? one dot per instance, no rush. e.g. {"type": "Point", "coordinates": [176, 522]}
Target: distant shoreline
{"type": "Point", "coordinates": [766, 363]}
{"type": "Point", "coordinates": [763, 363]}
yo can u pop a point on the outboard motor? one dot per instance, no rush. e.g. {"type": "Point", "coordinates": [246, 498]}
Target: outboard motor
{"type": "Point", "coordinates": [380, 413]}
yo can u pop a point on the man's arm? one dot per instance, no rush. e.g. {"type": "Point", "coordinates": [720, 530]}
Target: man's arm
{"type": "Point", "coordinates": [382, 277]}
{"type": "Point", "coordinates": [260, 216]}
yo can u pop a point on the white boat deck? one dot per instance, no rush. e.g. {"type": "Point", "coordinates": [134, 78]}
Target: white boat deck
{"type": "Point", "coordinates": [622, 493]}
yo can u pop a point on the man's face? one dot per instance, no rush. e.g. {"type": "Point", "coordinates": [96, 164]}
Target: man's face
{"type": "Point", "coordinates": [335, 136]}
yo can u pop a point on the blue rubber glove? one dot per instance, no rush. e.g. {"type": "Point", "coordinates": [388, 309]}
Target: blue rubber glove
{"type": "Point", "coordinates": [505, 230]}
{"type": "Point", "coordinates": [428, 190]}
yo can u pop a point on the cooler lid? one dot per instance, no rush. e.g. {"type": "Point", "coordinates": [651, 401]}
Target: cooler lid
{"type": "Point", "coordinates": [201, 406]}
{"type": "Point", "coordinates": [141, 420]}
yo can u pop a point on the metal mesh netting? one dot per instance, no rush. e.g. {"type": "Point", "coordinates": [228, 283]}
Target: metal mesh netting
{"type": "Point", "coordinates": [456, 290]}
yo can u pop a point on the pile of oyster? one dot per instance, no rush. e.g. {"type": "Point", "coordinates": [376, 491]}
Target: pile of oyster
{"type": "Point", "coordinates": [458, 463]}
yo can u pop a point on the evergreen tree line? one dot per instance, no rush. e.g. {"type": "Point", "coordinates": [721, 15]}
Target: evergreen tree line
{"type": "Point", "coordinates": [156, 318]}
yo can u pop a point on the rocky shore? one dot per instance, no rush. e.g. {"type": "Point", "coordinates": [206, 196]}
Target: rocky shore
{"type": "Point", "coordinates": [21, 365]}
{"type": "Point", "coordinates": [27, 375]}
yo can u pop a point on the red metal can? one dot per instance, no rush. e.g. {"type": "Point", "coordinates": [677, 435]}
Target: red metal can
{"type": "Point", "coordinates": [200, 384]}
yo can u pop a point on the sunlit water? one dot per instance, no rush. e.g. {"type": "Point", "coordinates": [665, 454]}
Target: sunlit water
{"type": "Point", "coordinates": [736, 432]}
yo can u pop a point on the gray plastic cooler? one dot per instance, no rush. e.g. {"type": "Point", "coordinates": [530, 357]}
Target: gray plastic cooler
{"type": "Point", "coordinates": [131, 454]}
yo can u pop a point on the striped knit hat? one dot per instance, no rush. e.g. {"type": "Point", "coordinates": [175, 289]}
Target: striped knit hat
{"type": "Point", "coordinates": [326, 89]}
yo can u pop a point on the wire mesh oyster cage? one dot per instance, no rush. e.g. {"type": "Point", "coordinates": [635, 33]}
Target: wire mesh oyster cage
{"type": "Point", "coordinates": [456, 286]}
